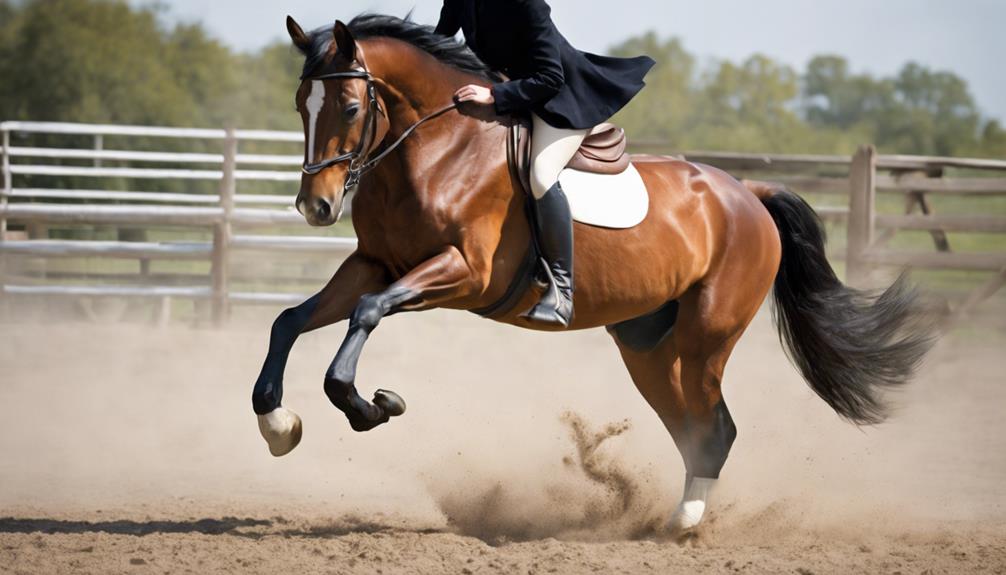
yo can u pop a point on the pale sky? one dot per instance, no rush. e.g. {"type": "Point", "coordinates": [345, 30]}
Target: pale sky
{"type": "Point", "coordinates": [877, 36]}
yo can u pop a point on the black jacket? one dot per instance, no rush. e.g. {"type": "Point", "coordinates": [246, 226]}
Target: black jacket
{"type": "Point", "coordinates": [567, 88]}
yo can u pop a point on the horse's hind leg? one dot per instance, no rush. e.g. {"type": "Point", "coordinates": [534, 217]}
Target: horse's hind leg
{"type": "Point", "coordinates": [678, 370]}
{"type": "Point", "coordinates": [709, 429]}
{"type": "Point", "coordinates": [702, 442]}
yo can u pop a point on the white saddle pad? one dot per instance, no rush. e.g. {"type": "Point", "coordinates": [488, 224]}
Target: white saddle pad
{"type": "Point", "coordinates": [608, 201]}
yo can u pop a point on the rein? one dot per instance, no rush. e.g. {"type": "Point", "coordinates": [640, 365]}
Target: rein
{"type": "Point", "coordinates": [359, 164]}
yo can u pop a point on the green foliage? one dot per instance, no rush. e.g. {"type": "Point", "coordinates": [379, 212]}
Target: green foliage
{"type": "Point", "coordinates": [103, 61]}
{"type": "Point", "coordinates": [993, 140]}
{"type": "Point", "coordinates": [918, 110]}
{"type": "Point", "coordinates": [761, 105]}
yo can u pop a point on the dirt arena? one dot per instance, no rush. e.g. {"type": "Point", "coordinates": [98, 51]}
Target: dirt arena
{"type": "Point", "coordinates": [128, 449]}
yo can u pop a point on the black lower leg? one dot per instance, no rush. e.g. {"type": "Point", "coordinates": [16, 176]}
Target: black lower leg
{"type": "Point", "coordinates": [709, 442]}
{"type": "Point", "coordinates": [268, 392]}
{"type": "Point", "coordinates": [340, 384]}
{"type": "Point", "coordinates": [340, 379]}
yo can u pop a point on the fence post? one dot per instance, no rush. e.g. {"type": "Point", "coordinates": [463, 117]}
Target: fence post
{"type": "Point", "coordinates": [222, 232]}
{"type": "Point", "coordinates": [99, 145]}
{"type": "Point", "coordinates": [862, 212]}
{"type": "Point", "coordinates": [4, 199]}
{"type": "Point", "coordinates": [5, 193]}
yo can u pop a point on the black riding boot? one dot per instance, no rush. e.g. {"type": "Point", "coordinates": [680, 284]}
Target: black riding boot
{"type": "Point", "coordinates": [554, 232]}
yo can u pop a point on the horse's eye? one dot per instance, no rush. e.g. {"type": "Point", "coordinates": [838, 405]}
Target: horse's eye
{"type": "Point", "coordinates": [351, 111]}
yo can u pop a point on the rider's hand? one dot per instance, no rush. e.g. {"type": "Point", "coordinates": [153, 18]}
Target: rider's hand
{"type": "Point", "coordinates": [474, 93]}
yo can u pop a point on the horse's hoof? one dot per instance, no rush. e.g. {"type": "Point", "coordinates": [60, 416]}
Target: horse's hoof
{"type": "Point", "coordinates": [689, 513]}
{"type": "Point", "coordinates": [390, 402]}
{"type": "Point", "coordinates": [281, 429]}
{"type": "Point", "coordinates": [687, 517]}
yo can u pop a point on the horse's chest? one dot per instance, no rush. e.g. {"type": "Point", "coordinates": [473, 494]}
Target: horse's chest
{"type": "Point", "coordinates": [402, 237]}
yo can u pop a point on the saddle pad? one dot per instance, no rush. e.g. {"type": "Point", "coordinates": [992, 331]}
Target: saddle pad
{"type": "Point", "coordinates": [607, 201]}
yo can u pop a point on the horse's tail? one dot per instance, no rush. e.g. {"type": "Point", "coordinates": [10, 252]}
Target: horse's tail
{"type": "Point", "coordinates": [849, 345]}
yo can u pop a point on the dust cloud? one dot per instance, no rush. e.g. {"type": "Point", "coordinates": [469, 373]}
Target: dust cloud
{"type": "Point", "coordinates": [516, 445]}
{"type": "Point", "coordinates": [595, 497]}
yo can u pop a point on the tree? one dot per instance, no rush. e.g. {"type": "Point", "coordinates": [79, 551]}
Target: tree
{"type": "Point", "coordinates": [942, 114]}
{"type": "Point", "coordinates": [103, 61]}
{"type": "Point", "coordinates": [267, 84]}
{"type": "Point", "coordinates": [206, 72]}
{"type": "Point", "coordinates": [993, 142]}
{"type": "Point", "coordinates": [90, 61]}
{"type": "Point", "coordinates": [749, 107]}
{"type": "Point", "coordinates": [917, 111]}
{"type": "Point", "coordinates": [665, 109]}
{"type": "Point", "coordinates": [836, 98]}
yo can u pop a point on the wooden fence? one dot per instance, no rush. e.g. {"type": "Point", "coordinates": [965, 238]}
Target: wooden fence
{"type": "Point", "coordinates": [233, 220]}
{"type": "Point", "coordinates": [230, 217]}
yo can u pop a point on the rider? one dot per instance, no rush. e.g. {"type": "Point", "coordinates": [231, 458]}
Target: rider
{"type": "Point", "coordinates": [567, 92]}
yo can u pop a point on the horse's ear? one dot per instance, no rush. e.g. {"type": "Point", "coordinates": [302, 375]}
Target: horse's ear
{"type": "Point", "coordinates": [300, 39]}
{"type": "Point", "coordinates": [344, 40]}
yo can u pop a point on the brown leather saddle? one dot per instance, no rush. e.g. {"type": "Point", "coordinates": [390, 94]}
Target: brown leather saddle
{"type": "Point", "coordinates": [602, 152]}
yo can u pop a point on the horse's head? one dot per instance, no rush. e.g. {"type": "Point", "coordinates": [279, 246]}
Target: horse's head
{"type": "Point", "coordinates": [342, 115]}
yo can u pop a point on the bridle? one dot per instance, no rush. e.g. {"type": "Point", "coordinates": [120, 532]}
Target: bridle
{"type": "Point", "coordinates": [359, 164]}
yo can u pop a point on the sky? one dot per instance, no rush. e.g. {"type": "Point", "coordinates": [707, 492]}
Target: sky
{"type": "Point", "coordinates": [876, 36]}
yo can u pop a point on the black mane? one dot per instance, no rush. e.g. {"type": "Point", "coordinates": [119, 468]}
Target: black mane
{"type": "Point", "coordinates": [447, 50]}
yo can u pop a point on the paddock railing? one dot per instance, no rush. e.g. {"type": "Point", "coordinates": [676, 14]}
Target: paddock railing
{"type": "Point", "coordinates": [51, 184]}
{"type": "Point", "coordinates": [216, 197]}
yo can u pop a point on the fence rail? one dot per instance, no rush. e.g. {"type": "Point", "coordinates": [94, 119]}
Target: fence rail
{"type": "Point", "coordinates": [233, 222]}
{"type": "Point", "coordinates": [218, 215]}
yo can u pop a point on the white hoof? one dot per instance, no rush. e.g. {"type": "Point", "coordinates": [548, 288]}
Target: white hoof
{"type": "Point", "coordinates": [281, 429]}
{"type": "Point", "coordinates": [689, 513]}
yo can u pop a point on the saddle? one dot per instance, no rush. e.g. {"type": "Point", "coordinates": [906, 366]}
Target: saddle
{"type": "Point", "coordinates": [602, 152]}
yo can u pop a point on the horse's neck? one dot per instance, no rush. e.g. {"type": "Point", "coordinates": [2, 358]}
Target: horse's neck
{"type": "Point", "coordinates": [432, 165]}
{"type": "Point", "coordinates": [415, 86]}
{"type": "Point", "coordinates": [416, 82]}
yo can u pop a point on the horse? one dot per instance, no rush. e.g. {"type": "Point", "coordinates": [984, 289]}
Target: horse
{"type": "Point", "coordinates": [441, 223]}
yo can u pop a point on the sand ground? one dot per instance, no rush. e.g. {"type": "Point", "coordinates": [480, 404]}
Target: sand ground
{"type": "Point", "coordinates": [130, 449]}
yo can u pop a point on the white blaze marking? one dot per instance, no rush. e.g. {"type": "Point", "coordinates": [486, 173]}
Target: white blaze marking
{"type": "Point", "coordinates": [315, 101]}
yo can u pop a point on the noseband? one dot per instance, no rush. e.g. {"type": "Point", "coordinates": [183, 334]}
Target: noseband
{"type": "Point", "coordinates": [359, 164]}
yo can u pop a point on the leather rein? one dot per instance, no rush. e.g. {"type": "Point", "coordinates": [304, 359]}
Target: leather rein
{"type": "Point", "coordinates": [359, 164]}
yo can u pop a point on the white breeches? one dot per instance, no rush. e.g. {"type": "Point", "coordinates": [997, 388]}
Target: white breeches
{"type": "Point", "coordinates": [551, 149]}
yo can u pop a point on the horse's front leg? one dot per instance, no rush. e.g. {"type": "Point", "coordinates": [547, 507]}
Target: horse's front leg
{"type": "Point", "coordinates": [281, 427]}
{"type": "Point", "coordinates": [442, 278]}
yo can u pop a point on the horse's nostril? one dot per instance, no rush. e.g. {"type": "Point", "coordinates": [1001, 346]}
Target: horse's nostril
{"type": "Point", "coordinates": [323, 209]}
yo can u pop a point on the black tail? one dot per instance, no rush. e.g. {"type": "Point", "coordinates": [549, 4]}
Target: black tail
{"type": "Point", "coordinates": [848, 344]}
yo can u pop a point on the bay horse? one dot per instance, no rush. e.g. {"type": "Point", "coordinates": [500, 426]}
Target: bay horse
{"type": "Point", "coordinates": [442, 224]}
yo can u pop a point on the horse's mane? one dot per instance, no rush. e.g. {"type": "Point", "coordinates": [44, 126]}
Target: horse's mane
{"type": "Point", "coordinates": [447, 50]}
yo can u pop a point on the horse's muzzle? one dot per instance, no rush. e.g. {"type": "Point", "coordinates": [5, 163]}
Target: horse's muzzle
{"type": "Point", "coordinates": [320, 212]}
